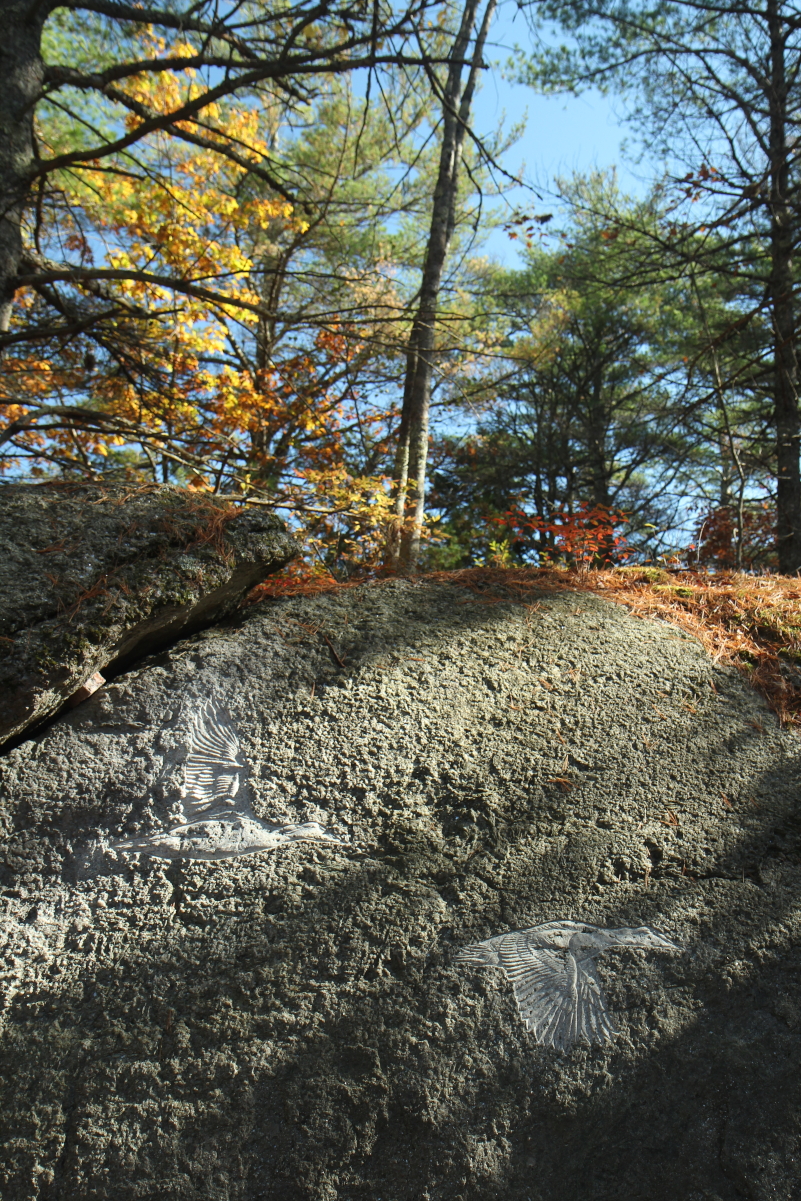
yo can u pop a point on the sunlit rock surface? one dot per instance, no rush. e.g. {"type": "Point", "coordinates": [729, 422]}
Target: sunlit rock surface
{"type": "Point", "coordinates": [294, 1024]}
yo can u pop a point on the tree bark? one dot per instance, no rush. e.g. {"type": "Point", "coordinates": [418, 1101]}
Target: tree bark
{"type": "Point", "coordinates": [785, 362]}
{"type": "Point", "coordinates": [412, 451]}
{"type": "Point", "coordinates": [22, 70]}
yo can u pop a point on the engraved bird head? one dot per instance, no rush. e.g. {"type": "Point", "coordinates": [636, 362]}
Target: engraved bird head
{"type": "Point", "coordinates": [309, 830]}
{"type": "Point", "coordinates": [640, 936]}
{"type": "Point", "coordinates": [559, 996]}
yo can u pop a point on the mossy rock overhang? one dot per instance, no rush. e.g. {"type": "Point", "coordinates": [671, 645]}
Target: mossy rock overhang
{"type": "Point", "coordinates": [93, 577]}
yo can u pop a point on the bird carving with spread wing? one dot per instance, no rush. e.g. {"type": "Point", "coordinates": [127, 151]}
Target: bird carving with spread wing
{"type": "Point", "coordinates": [555, 978]}
{"type": "Point", "coordinates": [214, 767]}
{"type": "Point", "coordinates": [216, 821]}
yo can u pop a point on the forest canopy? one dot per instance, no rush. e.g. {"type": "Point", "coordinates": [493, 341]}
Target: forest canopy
{"type": "Point", "coordinates": [241, 251]}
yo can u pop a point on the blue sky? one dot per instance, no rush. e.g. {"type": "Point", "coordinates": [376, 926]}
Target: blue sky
{"type": "Point", "coordinates": [564, 135]}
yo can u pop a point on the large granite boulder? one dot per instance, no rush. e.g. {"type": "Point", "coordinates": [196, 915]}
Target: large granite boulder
{"type": "Point", "coordinates": [295, 1023]}
{"type": "Point", "coordinates": [92, 577]}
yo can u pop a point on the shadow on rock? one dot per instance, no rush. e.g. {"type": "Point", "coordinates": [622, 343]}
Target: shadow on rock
{"type": "Point", "coordinates": [293, 1025]}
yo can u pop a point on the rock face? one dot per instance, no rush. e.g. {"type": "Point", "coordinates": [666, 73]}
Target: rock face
{"type": "Point", "coordinates": [93, 577]}
{"type": "Point", "coordinates": [295, 1025]}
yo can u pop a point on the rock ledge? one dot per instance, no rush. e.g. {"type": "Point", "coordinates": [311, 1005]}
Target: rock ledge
{"type": "Point", "coordinates": [93, 577]}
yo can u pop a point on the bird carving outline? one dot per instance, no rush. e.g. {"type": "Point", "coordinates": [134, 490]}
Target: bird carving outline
{"type": "Point", "coordinates": [215, 819]}
{"type": "Point", "coordinates": [555, 979]}
{"type": "Point", "coordinates": [214, 766]}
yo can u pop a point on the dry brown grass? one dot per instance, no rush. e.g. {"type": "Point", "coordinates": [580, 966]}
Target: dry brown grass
{"type": "Point", "coordinates": [201, 521]}
{"type": "Point", "coordinates": [751, 622]}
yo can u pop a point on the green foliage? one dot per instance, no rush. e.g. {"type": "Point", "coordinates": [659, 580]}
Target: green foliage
{"type": "Point", "coordinates": [629, 365]}
{"type": "Point", "coordinates": [716, 93]}
{"type": "Point", "coordinates": [591, 412]}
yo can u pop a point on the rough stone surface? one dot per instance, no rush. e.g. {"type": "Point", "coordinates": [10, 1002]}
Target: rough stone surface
{"type": "Point", "coordinates": [94, 576]}
{"type": "Point", "coordinates": [293, 1024]}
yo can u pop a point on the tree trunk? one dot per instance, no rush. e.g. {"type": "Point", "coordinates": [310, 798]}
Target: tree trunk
{"type": "Point", "coordinates": [412, 452]}
{"type": "Point", "coordinates": [264, 454]}
{"type": "Point", "coordinates": [785, 363]}
{"type": "Point", "coordinates": [23, 71]}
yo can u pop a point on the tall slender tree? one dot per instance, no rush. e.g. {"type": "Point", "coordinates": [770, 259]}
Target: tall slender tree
{"type": "Point", "coordinates": [718, 87]}
{"type": "Point", "coordinates": [412, 450]}
{"type": "Point", "coordinates": [288, 404]}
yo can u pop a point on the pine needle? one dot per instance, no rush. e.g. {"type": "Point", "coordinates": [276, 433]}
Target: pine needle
{"type": "Point", "coordinates": [750, 622]}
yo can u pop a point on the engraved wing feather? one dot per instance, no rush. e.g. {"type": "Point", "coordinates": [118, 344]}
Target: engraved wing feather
{"type": "Point", "coordinates": [558, 997]}
{"type": "Point", "coordinates": [558, 1009]}
{"type": "Point", "coordinates": [214, 765]}
{"type": "Point", "coordinates": [216, 820]}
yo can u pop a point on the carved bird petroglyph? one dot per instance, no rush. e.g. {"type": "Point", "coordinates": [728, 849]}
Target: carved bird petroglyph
{"type": "Point", "coordinates": [555, 979]}
{"type": "Point", "coordinates": [216, 819]}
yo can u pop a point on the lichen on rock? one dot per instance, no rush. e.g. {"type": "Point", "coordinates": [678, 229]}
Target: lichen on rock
{"type": "Point", "coordinates": [93, 576]}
